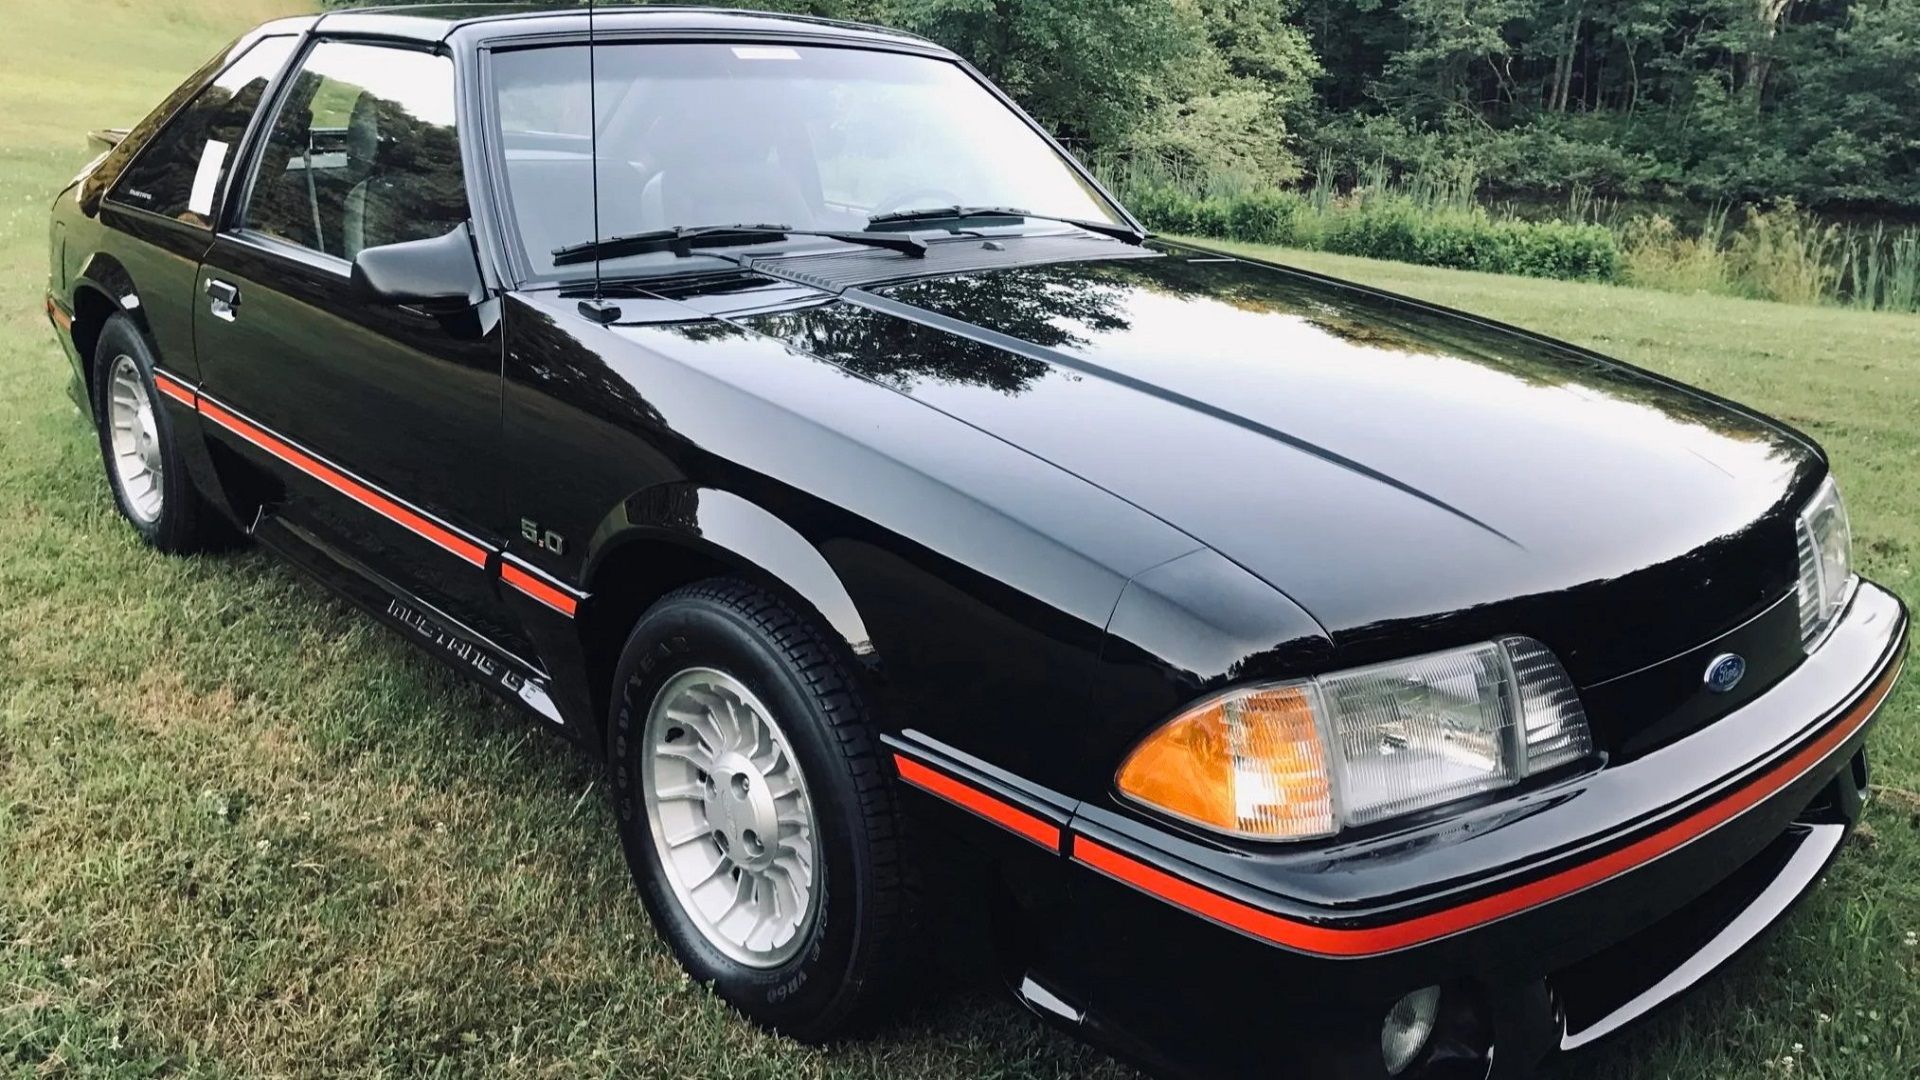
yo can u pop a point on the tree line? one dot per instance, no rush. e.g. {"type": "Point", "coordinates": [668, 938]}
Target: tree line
{"type": "Point", "coordinates": [1814, 101]}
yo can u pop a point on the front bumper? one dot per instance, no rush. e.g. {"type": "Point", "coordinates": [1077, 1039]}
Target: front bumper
{"type": "Point", "coordinates": [1552, 919]}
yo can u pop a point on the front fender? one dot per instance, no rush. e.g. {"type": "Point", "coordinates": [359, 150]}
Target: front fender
{"type": "Point", "coordinates": [727, 528]}
{"type": "Point", "coordinates": [1181, 630]}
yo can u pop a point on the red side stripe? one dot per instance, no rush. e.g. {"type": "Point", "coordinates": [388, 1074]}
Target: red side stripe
{"type": "Point", "coordinates": [996, 810]}
{"type": "Point", "coordinates": [346, 485]}
{"type": "Point", "coordinates": [539, 590]}
{"type": "Point", "coordinates": [176, 389]}
{"type": "Point", "coordinates": [1366, 941]}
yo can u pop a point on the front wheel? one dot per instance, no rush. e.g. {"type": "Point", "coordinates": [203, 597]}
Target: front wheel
{"type": "Point", "coordinates": [756, 818]}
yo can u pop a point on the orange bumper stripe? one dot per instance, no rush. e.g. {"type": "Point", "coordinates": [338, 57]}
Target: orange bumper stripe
{"type": "Point", "coordinates": [539, 590]}
{"type": "Point", "coordinates": [997, 810]}
{"type": "Point", "coordinates": [1368, 941]}
{"type": "Point", "coordinates": [346, 485]}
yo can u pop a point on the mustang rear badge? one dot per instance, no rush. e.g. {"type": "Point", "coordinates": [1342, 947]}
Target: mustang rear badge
{"type": "Point", "coordinates": [1725, 672]}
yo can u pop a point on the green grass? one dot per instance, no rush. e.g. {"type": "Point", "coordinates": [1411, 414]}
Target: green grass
{"type": "Point", "coordinates": [244, 832]}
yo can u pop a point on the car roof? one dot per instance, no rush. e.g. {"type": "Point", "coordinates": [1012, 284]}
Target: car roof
{"type": "Point", "coordinates": [433, 23]}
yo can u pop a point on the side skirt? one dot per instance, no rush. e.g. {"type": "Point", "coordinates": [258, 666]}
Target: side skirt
{"type": "Point", "coordinates": [508, 676]}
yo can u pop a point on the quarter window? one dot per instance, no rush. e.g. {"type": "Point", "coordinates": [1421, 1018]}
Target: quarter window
{"type": "Point", "coordinates": [180, 171]}
{"type": "Point", "coordinates": [362, 153]}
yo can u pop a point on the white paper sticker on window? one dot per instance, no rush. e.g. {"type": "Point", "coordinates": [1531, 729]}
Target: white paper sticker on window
{"type": "Point", "coordinates": [765, 52]}
{"type": "Point", "coordinates": [206, 178]}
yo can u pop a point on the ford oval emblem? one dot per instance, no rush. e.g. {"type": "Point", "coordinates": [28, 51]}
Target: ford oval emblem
{"type": "Point", "coordinates": [1725, 672]}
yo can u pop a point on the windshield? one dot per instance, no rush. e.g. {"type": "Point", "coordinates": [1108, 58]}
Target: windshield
{"type": "Point", "coordinates": [713, 134]}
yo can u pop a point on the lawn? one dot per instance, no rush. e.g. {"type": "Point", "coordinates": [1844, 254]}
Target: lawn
{"type": "Point", "coordinates": [245, 832]}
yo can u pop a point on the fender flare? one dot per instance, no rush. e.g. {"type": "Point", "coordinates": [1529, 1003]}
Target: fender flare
{"type": "Point", "coordinates": [104, 274]}
{"type": "Point", "coordinates": [735, 530]}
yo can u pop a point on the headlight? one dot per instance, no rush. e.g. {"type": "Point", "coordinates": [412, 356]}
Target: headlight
{"type": "Point", "coordinates": [1826, 562]}
{"type": "Point", "coordinates": [1304, 759]}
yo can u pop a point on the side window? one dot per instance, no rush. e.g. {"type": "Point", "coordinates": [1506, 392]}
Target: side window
{"type": "Point", "coordinates": [362, 153]}
{"type": "Point", "coordinates": [178, 172]}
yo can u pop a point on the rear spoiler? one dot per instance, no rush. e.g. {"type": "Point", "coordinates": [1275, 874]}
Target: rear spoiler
{"type": "Point", "coordinates": [101, 140]}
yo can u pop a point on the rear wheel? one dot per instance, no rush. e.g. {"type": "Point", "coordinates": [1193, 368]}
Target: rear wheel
{"type": "Point", "coordinates": [756, 818]}
{"type": "Point", "coordinates": [140, 448]}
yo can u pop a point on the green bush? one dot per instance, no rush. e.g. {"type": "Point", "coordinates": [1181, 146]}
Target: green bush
{"type": "Point", "coordinates": [1161, 207]}
{"type": "Point", "coordinates": [1260, 215]}
{"type": "Point", "coordinates": [1389, 228]}
{"type": "Point", "coordinates": [1440, 219]}
{"type": "Point", "coordinates": [1475, 241]}
{"type": "Point", "coordinates": [1267, 217]}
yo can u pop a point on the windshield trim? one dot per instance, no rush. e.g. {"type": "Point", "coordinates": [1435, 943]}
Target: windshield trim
{"type": "Point", "coordinates": [520, 269]}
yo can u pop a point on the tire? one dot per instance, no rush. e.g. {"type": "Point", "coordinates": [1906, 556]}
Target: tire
{"type": "Point", "coordinates": [842, 966]}
{"type": "Point", "coordinates": [171, 515]}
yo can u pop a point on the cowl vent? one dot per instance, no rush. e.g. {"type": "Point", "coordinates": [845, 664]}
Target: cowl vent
{"type": "Point", "coordinates": [838, 271]}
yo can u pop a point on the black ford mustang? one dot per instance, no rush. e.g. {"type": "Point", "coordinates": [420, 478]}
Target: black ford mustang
{"type": "Point", "coordinates": [1286, 677]}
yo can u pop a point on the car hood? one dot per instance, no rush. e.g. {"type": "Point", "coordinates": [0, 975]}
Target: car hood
{"type": "Point", "coordinates": [1411, 476]}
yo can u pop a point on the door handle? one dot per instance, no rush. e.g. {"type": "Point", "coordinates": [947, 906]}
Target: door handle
{"type": "Point", "coordinates": [224, 298]}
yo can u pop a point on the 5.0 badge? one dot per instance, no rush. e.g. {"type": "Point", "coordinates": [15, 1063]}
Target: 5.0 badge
{"type": "Point", "coordinates": [543, 538]}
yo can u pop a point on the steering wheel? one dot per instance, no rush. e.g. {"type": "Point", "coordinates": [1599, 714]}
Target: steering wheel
{"type": "Point", "coordinates": [925, 198]}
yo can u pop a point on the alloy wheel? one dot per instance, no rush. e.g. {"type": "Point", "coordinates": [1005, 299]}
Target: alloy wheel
{"type": "Point", "coordinates": [134, 436]}
{"type": "Point", "coordinates": [730, 816]}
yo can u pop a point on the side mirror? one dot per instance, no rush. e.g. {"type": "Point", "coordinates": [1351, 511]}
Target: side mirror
{"type": "Point", "coordinates": [437, 274]}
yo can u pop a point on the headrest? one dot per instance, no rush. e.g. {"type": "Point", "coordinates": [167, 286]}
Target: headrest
{"type": "Point", "coordinates": [363, 129]}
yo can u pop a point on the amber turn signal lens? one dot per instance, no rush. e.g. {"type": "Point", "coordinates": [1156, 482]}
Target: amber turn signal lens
{"type": "Point", "coordinates": [1251, 764]}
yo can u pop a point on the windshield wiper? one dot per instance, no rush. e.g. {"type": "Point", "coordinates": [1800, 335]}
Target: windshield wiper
{"type": "Point", "coordinates": [959, 213]}
{"type": "Point", "coordinates": [682, 239]}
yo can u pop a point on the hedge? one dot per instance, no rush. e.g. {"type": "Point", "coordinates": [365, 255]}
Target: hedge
{"type": "Point", "coordinates": [1395, 229]}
